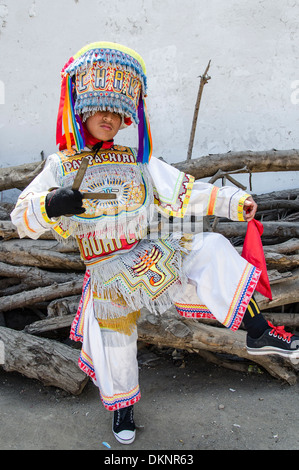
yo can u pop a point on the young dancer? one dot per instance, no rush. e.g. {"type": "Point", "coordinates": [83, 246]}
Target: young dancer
{"type": "Point", "coordinates": [111, 216]}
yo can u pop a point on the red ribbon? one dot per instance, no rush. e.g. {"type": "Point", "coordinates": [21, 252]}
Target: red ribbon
{"type": "Point", "coordinates": [253, 252]}
{"type": "Point", "coordinates": [60, 111]}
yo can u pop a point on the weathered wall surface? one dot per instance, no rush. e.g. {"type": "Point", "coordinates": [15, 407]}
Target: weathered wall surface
{"type": "Point", "coordinates": [251, 101]}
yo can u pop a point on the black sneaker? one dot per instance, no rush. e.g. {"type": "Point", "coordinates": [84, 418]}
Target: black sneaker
{"type": "Point", "coordinates": [275, 340]}
{"type": "Point", "coordinates": [124, 428]}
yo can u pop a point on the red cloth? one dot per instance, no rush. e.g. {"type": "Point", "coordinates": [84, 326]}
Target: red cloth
{"type": "Point", "coordinates": [90, 141]}
{"type": "Point", "coordinates": [253, 252]}
{"type": "Point", "coordinates": [62, 142]}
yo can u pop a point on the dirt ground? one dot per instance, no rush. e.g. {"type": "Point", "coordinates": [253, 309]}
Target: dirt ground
{"type": "Point", "coordinates": [186, 404]}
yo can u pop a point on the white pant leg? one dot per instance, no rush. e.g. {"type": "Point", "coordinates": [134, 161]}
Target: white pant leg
{"type": "Point", "coordinates": [113, 358]}
{"type": "Point", "coordinates": [224, 281]}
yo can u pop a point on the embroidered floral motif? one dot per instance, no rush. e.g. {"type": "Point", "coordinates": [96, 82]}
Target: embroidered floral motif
{"type": "Point", "coordinates": [110, 171]}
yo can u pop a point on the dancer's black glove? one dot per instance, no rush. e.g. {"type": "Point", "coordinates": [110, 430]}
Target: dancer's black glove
{"type": "Point", "coordinates": [64, 201]}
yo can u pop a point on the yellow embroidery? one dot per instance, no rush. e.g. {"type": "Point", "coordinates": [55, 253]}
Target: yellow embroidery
{"type": "Point", "coordinates": [169, 208]}
{"type": "Point", "coordinates": [241, 207]}
{"type": "Point", "coordinates": [117, 155]}
{"type": "Point", "coordinates": [125, 324]}
{"type": "Point", "coordinates": [43, 210]}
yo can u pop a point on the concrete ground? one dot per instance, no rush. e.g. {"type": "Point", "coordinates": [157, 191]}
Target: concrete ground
{"type": "Point", "coordinates": [185, 405]}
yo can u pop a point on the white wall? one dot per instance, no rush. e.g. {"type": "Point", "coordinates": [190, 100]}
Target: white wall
{"type": "Point", "coordinates": [251, 101]}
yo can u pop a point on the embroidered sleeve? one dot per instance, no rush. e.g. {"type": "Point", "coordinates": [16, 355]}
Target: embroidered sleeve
{"type": "Point", "coordinates": [177, 194]}
{"type": "Point", "coordinates": [172, 188]}
{"type": "Point", "coordinates": [227, 201]}
{"type": "Point", "coordinates": [29, 215]}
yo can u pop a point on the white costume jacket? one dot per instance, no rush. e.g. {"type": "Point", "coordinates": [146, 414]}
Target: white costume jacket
{"type": "Point", "coordinates": [131, 262]}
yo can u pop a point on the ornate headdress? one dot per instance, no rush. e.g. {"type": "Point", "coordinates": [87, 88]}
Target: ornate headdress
{"type": "Point", "coordinates": [103, 76]}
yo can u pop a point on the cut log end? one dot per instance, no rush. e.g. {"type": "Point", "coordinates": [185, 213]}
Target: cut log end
{"type": "Point", "coordinates": [48, 361]}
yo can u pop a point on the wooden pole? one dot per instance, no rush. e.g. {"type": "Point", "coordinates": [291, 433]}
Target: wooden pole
{"type": "Point", "coordinates": [203, 80]}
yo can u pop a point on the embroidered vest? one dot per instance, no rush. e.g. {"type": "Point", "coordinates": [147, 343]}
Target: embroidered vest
{"type": "Point", "coordinates": [109, 171]}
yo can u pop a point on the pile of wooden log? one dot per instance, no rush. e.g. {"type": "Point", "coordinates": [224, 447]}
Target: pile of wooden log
{"type": "Point", "coordinates": [41, 283]}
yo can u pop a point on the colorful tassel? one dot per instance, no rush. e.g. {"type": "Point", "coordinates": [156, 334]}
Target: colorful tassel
{"type": "Point", "coordinates": [144, 134]}
{"type": "Point", "coordinates": [69, 126]}
{"type": "Point", "coordinates": [59, 126]}
{"type": "Point", "coordinates": [147, 135]}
